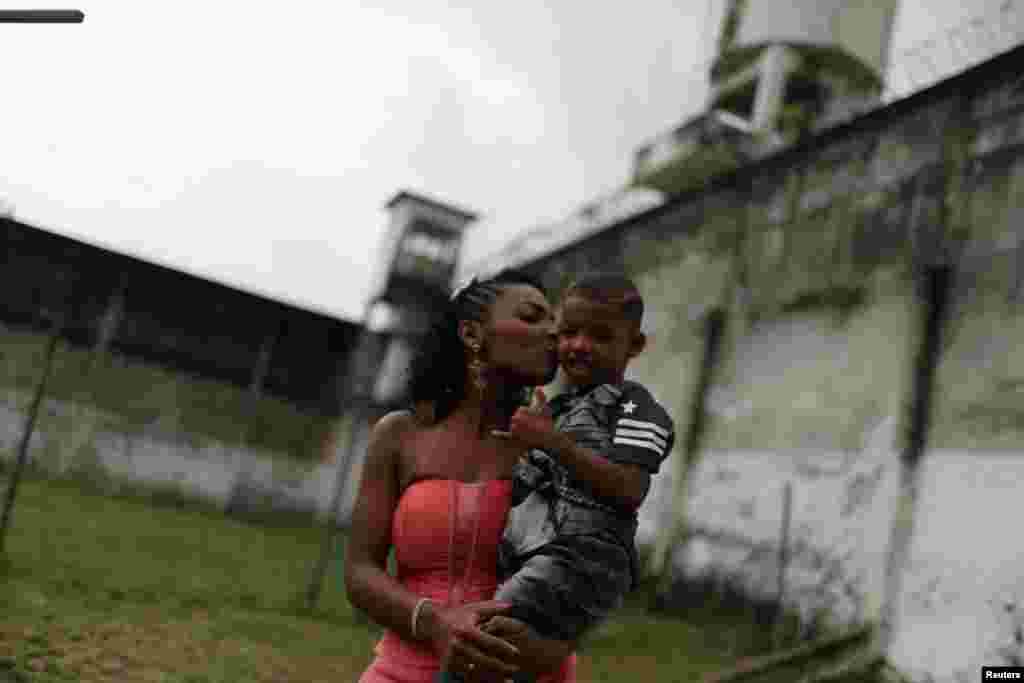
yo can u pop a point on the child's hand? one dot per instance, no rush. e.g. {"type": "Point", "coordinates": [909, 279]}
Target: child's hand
{"type": "Point", "coordinates": [533, 426]}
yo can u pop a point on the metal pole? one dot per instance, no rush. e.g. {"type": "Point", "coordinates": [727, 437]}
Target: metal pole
{"type": "Point", "coordinates": [354, 376]}
{"type": "Point", "coordinates": [26, 438]}
{"type": "Point", "coordinates": [340, 482]}
{"type": "Point", "coordinates": [33, 16]}
{"type": "Point", "coordinates": [236, 499]}
{"type": "Point", "coordinates": [787, 516]}
{"type": "Point", "coordinates": [82, 423]}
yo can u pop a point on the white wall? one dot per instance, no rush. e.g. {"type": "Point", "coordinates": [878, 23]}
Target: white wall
{"type": "Point", "coordinates": [211, 472]}
{"type": "Point", "coordinates": [965, 565]}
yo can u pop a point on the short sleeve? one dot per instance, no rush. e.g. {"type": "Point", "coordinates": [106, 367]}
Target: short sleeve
{"type": "Point", "coordinates": [642, 431]}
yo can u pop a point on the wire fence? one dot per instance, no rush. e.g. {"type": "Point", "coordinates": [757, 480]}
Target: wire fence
{"type": "Point", "coordinates": [954, 49]}
{"type": "Point", "coordinates": [945, 53]}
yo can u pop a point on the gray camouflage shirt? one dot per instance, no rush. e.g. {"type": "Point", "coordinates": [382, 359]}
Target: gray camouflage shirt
{"type": "Point", "coordinates": [624, 424]}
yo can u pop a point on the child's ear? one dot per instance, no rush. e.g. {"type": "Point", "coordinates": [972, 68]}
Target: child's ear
{"type": "Point", "coordinates": [638, 344]}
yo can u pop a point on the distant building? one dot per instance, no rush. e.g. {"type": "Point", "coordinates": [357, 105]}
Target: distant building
{"type": "Point", "coordinates": [154, 314]}
{"type": "Point", "coordinates": [168, 377]}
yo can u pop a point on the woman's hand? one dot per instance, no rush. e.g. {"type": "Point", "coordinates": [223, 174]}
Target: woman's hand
{"type": "Point", "coordinates": [537, 655]}
{"type": "Point", "coordinates": [463, 647]}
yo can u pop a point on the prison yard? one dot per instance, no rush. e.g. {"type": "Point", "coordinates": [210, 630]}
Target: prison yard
{"type": "Point", "coordinates": [138, 586]}
{"type": "Point", "coordinates": [832, 282]}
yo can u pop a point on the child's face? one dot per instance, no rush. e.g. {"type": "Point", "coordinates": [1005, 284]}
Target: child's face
{"type": "Point", "coordinates": [595, 341]}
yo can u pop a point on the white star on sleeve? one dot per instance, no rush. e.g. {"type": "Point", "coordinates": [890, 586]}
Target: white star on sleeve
{"type": "Point", "coordinates": [628, 407]}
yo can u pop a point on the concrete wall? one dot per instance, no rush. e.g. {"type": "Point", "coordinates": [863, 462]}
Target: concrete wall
{"type": "Point", "coordinates": [230, 476]}
{"type": "Point", "coordinates": [166, 378]}
{"type": "Point", "coordinates": [826, 263]}
{"type": "Point", "coordinates": [962, 591]}
{"type": "Point", "coordinates": [803, 401]}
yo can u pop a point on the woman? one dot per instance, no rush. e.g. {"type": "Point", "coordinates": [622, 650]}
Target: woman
{"type": "Point", "coordinates": [436, 486]}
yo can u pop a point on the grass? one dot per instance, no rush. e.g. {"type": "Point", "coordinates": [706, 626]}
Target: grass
{"type": "Point", "coordinates": [101, 588]}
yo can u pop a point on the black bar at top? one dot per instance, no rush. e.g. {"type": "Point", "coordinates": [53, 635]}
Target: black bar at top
{"type": "Point", "coordinates": [41, 16]}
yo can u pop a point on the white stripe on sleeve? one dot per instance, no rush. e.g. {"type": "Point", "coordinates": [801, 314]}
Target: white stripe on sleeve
{"type": "Point", "coordinates": [639, 444]}
{"type": "Point", "coordinates": [639, 424]}
{"type": "Point", "coordinates": [642, 434]}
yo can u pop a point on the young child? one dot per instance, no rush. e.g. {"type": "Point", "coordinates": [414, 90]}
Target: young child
{"type": "Point", "coordinates": [569, 543]}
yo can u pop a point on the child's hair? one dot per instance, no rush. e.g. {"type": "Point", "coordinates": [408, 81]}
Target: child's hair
{"type": "Point", "coordinates": [438, 369]}
{"type": "Point", "coordinates": [612, 289]}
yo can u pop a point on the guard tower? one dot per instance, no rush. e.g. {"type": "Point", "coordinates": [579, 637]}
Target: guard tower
{"type": "Point", "coordinates": [420, 251]}
{"type": "Point", "coordinates": [783, 70]}
{"type": "Point", "coordinates": [417, 260]}
{"type": "Point", "coordinates": [801, 65]}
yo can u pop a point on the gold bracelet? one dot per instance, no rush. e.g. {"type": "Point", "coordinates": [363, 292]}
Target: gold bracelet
{"type": "Point", "coordinates": [416, 614]}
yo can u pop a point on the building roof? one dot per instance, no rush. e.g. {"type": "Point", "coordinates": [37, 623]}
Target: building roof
{"type": "Point", "coordinates": [436, 203]}
{"type": "Point", "coordinates": [97, 247]}
{"type": "Point", "coordinates": [537, 245]}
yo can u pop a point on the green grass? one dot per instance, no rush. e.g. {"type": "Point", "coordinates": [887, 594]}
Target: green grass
{"type": "Point", "coordinates": [96, 586]}
{"type": "Point", "coordinates": [64, 539]}
{"type": "Point", "coordinates": [99, 588]}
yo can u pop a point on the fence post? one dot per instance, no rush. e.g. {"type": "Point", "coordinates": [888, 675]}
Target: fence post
{"type": "Point", "coordinates": [357, 396]}
{"type": "Point", "coordinates": [787, 517]}
{"type": "Point", "coordinates": [26, 438]}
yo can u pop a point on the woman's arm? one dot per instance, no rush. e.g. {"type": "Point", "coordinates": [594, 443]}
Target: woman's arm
{"type": "Point", "coordinates": [381, 596]}
{"type": "Point", "coordinates": [367, 582]}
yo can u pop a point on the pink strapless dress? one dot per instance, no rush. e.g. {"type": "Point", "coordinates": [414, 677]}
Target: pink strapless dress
{"type": "Point", "coordinates": [445, 534]}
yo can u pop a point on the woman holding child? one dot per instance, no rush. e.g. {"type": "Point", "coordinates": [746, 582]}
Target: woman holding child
{"type": "Point", "coordinates": [436, 487]}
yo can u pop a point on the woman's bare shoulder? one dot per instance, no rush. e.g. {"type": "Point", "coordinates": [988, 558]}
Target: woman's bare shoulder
{"type": "Point", "coordinates": [388, 438]}
{"type": "Point", "coordinates": [395, 425]}
{"type": "Point", "coordinates": [400, 424]}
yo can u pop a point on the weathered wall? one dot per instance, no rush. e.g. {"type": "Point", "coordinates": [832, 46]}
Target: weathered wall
{"type": "Point", "coordinates": [962, 592]}
{"type": "Point", "coordinates": [164, 377]}
{"type": "Point", "coordinates": [811, 400]}
{"type": "Point", "coordinates": [821, 259]}
{"type": "Point", "coordinates": [962, 587]}
{"type": "Point", "coordinates": [110, 392]}
{"type": "Point", "coordinates": [146, 352]}
{"type": "Point", "coordinates": [234, 477]}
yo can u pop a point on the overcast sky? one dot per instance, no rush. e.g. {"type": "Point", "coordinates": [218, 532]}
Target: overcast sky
{"type": "Point", "coordinates": [255, 143]}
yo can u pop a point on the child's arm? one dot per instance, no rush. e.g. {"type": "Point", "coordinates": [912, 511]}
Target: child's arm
{"type": "Point", "coordinates": [624, 483]}
{"type": "Point", "coordinates": [627, 483]}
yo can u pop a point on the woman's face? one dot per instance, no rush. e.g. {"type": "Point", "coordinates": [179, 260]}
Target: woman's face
{"type": "Point", "coordinates": [520, 336]}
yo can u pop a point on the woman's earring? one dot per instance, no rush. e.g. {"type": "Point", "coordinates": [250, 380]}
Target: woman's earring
{"type": "Point", "coordinates": [476, 369]}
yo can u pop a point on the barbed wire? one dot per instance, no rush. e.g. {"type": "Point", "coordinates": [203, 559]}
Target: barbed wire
{"type": "Point", "coordinates": [940, 56]}
{"type": "Point", "coordinates": [943, 54]}
{"type": "Point", "coordinates": [954, 49]}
